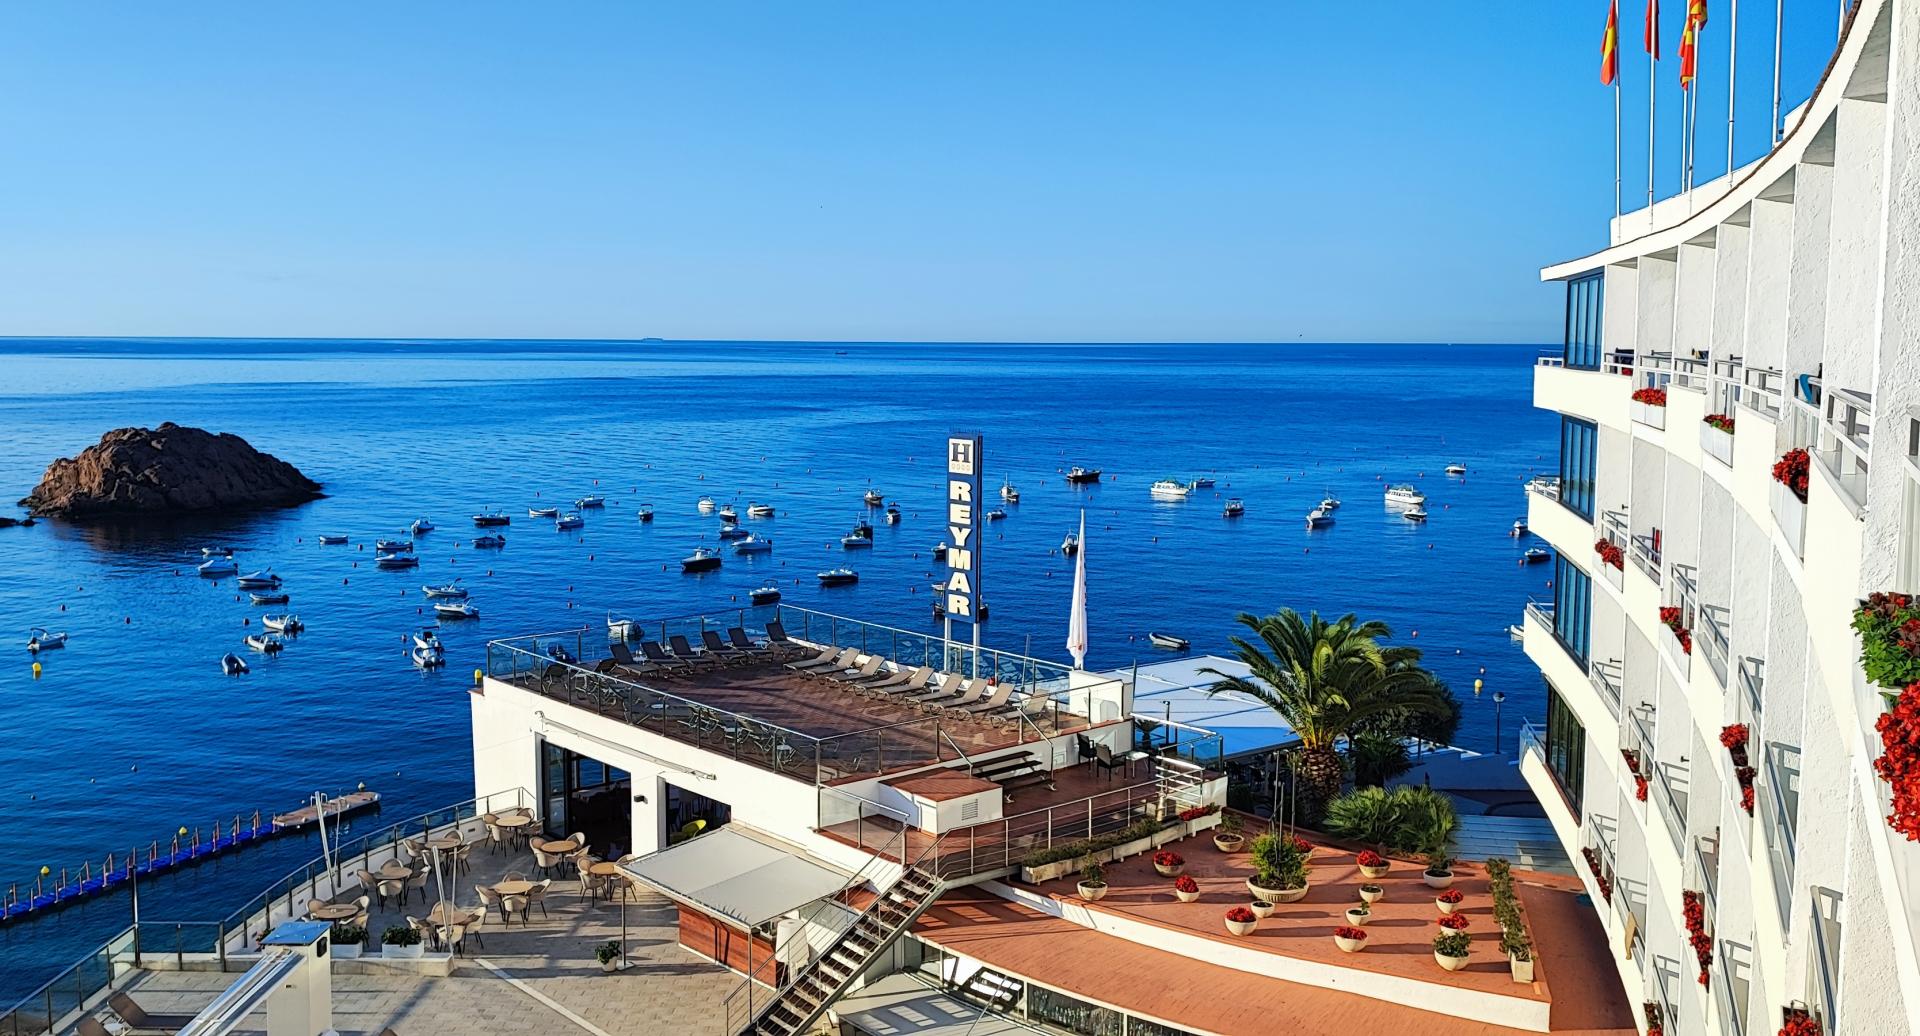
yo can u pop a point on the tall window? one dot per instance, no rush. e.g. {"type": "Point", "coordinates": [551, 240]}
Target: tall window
{"type": "Point", "coordinates": [1578, 440]}
{"type": "Point", "coordinates": [1572, 602]}
{"type": "Point", "coordinates": [1566, 748]}
{"type": "Point", "coordinates": [1584, 296]}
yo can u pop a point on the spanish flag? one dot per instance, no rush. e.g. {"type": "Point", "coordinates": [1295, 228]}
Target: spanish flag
{"type": "Point", "coordinates": [1697, 13]}
{"type": "Point", "coordinates": [1610, 46]}
{"type": "Point", "coordinates": [1653, 28]}
{"type": "Point", "coordinates": [1689, 51]}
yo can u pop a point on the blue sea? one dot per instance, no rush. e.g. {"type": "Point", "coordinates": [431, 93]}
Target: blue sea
{"type": "Point", "coordinates": [132, 731]}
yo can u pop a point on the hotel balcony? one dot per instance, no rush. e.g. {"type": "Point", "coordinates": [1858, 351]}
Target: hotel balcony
{"type": "Point", "coordinates": [1570, 533]}
{"type": "Point", "coordinates": [1597, 395]}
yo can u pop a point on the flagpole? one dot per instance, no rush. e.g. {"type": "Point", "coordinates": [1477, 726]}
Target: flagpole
{"type": "Point", "coordinates": [1779, 19]}
{"type": "Point", "coordinates": [1616, 140]}
{"type": "Point", "coordinates": [1733, 54]}
{"type": "Point", "coordinates": [1653, 65]}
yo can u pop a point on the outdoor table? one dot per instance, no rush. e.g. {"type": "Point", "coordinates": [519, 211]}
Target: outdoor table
{"type": "Point", "coordinates": [333, 911]}
{"type": "Point", "coordinates": [514, 888]}
{"type": "Point", "coordinates": [444, 842]}
{"type": "Point", "coordinates": [447, 913]}
{"type": "Point", "coordinates": [562, 847]}
{"type": "Point", "coordinates": [515, 826]}
{"type": "Point", "coordinates": [396, 871]}
{"type": "Point", "coordinates": [610, 869]}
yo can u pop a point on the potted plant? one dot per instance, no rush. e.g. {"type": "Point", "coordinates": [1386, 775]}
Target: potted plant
{"type": "Point", "coordinates": [1093, 882]}
{"type": "Point", "coordinates": [400, 942]}
{"type": "Point", "coordinates": [1373, 866]}
{"type": "Point", "coordinates": [347, 940]}
{"type": "Point", "coordinates": [1371, 893]}
{"type": "Point", "coordinates": [1169, 863]}
{"type": "Point", "coordinates": [1227, 837]}
{"type": "Point", "coordinates": [1350, 940]}
{"type": "Point", "coordinates": [1357, 915]}
{"type": "Point", "coordinates": [1450, 949]}
{"type": "Point", "coordinates": [1439, 872]}
{"type": "Point", "coordinates": [1449, 900]}
{"type": "Point", "coordinates": [1280, 869]}
{"type": "Point", "coordinates": [1261, 909]}
{"type": "Point", "coordinates": [1186, 889]}
{"type": "Point", "coordinates": [608, 954]}
{"type": "Point", "coordinates": [1519, 956]}
{"type": "Point", "coordinates": [1240, 921]}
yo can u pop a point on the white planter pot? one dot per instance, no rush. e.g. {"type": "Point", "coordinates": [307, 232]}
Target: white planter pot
{"type": "Point", "coordinates": [1291, 895]}
{"type": "Point", "coordinates": [1374, 896]}
{"type": "Point", "coordinates": [1350, 945]}
{"type": "Point", "coordinates": [1522, 969]}
{"type": "Point", "coordinates": [1445, 907]}
{"type": "Point", "coordinates": [1261, 909]}
{"type": "Point", "coordinates": [1170, 872]}
{"type": "Point", "coordinates": [609, 967]}
{"type": "Point", "coordinates": [392, 952]}
{"type": "Point", "coordinates": [1450, 963]}
{"type": "Point", "coordinates": [1374, 873]}
{"type": "Point", "coordinates": [1229, 843]}
{"type": "Point", "coordinates": [1358, 919]}
{"type": "Point", "coordinates": [1186, 897]}
{"type": "Point", "coordinates": [1091, 893]}
{"type": "Point", "coordinates": [345, 951]}
{"type": "Point", "coordinates": [1242, 927]}
{"type": "Point", "coordinates": [1437, 881]}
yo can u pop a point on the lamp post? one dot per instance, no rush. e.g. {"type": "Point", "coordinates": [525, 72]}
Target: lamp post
{"type": "Point", "coordinates": [1498, 697]}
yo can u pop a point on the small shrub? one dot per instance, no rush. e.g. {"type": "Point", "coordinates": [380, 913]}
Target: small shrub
{"type": "Point", "coordinates": [347, 934]}
{"type": "Point", "coordinates": [1092, 874]}
{"type": "Point", "coordinates": [607, 952]}
{"type": "Point", "coordinates": [399, 935]}
{"type": "Point", "coordinates": [1452, 944]}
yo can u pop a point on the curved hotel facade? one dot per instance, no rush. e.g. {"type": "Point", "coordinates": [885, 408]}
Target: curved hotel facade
{"type": "Point", "coordinates": [1710, 736]}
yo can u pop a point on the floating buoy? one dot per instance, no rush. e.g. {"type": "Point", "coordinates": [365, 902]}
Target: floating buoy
{"type": "Point", "coordinates": [36, 670]}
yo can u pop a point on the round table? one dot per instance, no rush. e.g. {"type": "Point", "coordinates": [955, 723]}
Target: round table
{"type": "Point", "coordinates": [396, 871]}
{"type": "Point", "coordinates": [447, 913]}
{"type": "Point", "coordinates": [516, 821]}
{"type": "Point", "coordinates": [562, 847]}
{"type": "Point", "coordinates": [605, 867]}
{"type": "Point", "coordinates": [444, 842]}
{"type": "Point", "coordinates": [514, 888]}
{"type": "Point", "coordinates": [333, 911]}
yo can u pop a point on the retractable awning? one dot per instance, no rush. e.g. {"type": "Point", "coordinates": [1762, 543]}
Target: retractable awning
{"type": "Point", "coordinates": [741, 877]}
{"type": "Point", "coordinates": [1177, 690]}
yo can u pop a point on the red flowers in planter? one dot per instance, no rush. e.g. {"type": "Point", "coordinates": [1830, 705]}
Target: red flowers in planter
{"type": "Point", "coordinates": [1796, 1021]}
{"type": "Point", "coordinates": [1791, 471]}
{"type": "Point", "coordinates": [1196, 812]}
{"type": "Point", "coordinates": [1639, 779]}
{"type": "Point", "coordinates": [1671, 618]}
{"type": "Point", "coordinates": [1356, 934]}
{"type": "Point", "coordinates": [1185, 883]}
{"type": "Point", "coordinates": [1452, 922]}
{"type": "Point", "coordinates": [1599, 876]}
{"type": "Point", "coordinates": [1168, 858]}
{"type": "Point", "coordinates": [1693, 910]}
{"type": "Point", "coordinates": [1610, 553]}
{"type": "Point", "coordinates": [1241, 915]}
{"type": "Point", "coordinates": [1639, 788]}
{"type": "Point", "coordinates": [1719, 421]}
{"type": "Point", "coordinates": [1451, 895]}
{"type": "Point", "coordinates": [1733, 737]}
{"type": "Point", "coordinates": [1654, 1019]}
{"type": "Point", "coordinates": [1369, 858]}
{"type": "Point", "coordinates": [1899, 762]}
{"type": "Point", "coordinates": [1651, 396]}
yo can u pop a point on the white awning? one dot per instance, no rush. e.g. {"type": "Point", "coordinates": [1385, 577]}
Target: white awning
{"type": "Point", "coordinates": [743, 877]}
{"type": "Point", "coordinates": [1177, 690]}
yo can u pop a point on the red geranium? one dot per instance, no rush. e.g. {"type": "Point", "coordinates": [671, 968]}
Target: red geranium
{"type": "Point", "coordinates": [1196, 812]}
{"type": "Point", "coordinates": [1639, 788]}
{"type": "Point", "coordinates": [1369, 858]}
{"type": "Point", "coordinates": [1185, 883]}
{"type": "Point", "coordinates": [1654, 1019]}
{"type": "Point", "coordinates": [1693, 910]}
{"type": "Point", "coordinates": [1452, 922]}
{"type": "Point", "coordinates": [1599, 877]}
{"type": "Point", "coordinates": [1241, 915]}
{"type": "Point", "coordinates": [1451, 896]}
{"type": "Point", "coordinates": [1671, 618]}
{"type": "Point", "coordinates": [1651, 396]}
{"type": "Point", "coordinates": [1733, 737]}
{"type": "Point", "coordinates": [1610, 553]}
{"type": "Point", "coordinates": [1356, 934]}
{"type": "Point", "coordinates": [1302, 844]}
{"type": "Point", "coordinates": [1169, 858]}
{"type": "Point", "coordinates": [1720, 421]}
{"type": "Point", "coordinates": [1791, 471]}
{"type": "Point", "coordinates": [1797, 1022]}
{"type": "Point", "coordinates": [1899, 764]}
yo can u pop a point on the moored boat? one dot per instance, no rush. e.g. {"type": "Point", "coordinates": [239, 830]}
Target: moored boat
{"type": "Point", "coordinates": [488, 519]}
{"type": "Point", "coordinates": [420, 525]}
{"type": "Point", "coordinates": [893, 514]}
{"type": "Point", "coordinates": [759, 510]}
{"type": "Point", "coordinates": [939, 552]}
{"type": "Point", "coordinates": [570, 520]}
{"type": "Point", "coordinates": [703, 559]}
{"type": "Point", "coordinates": [274, 597]}
{"type": "Point", "coordinates": [285, 624]}
{"type": "Point", "coordinates": [220, 566]}
{"type": "Point", "coordinates": [728, 514]}
{"type": "Point", "coordinates": [427, 658]}
{"type": "Point", "coordinates": [1416, 513]}
{"type": "Point", "coordinates": [393, 547]}
{"type": "Point", "coordinates": [266, 643]}
{"type": "Point", "coordinates": [732, 532]}
{"type": "Point", "coordinates": [450, 591]}
{"type": "Point", "coordinates": [1519, 528]}
{"type": "Point", "coordinates": [1329, 503]}
{"type": "Point", "coordinates": [1404, 495]}
{"type": "Point", "coordinates": [396, 561]}
{"type": "Point", "coordinates": [589, 501]}
{"type": "Point", "coordinates": [1233, 508]}
{"type": "Point", "coordinates": [1169, 489]}
{"type": "Point", "coordinates": [1535, 555]}
{"type": "Point", "coordinates": [426, 640]}
{"type": "Point", "coordinates": [752, 545]}
{"type": "Point", "coordinates": [233, 665]}
{"type": "Point", "coordinates": [855, 541]}
{"type": "Point", "coordinates": [1009, 492]}
{"type": "Point", "coordinates": [455, 610]}
{"type": "Point", "coordinates": [873, 498]}
{"type": "Point", "coordinates": [706, 505]}
{"type": "Point", "coordinates": [39, 639]}
{"type": "Point", "coordinates": [1203, 482]}
{"type": "Point", "coordinates": [1080, 476]}
{"type": "Point", "coordinates": [331, 540]}
{"type": "Point", "coordinates": [261, 580]}
{"type": "Point", "coordinates": [1456, 469]}
{"type": "Point", "coordinates": [646, 512]}
{"type": "Point", "coordinates": [1168, 641]}
{"type": "Point", "coordinates": [543, 512]}
{"type": "Point", "coordinates": [838, 577]}
{"type": "Point", "coordinates": [1070, 546]}
{"type": "Point", "coordinates": [486, 541]}
{"type": "Point", "coordinates": [996, 514]}
{"type": "Point", "coordinates": [1319, 517]}
{"type": "Point", "coordinates": [764, 594]}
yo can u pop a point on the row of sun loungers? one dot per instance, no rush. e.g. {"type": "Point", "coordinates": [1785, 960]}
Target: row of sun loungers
{"type": "Point", "coordinates": [923, 687]}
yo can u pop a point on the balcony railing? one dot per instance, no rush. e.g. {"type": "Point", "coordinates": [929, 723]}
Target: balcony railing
{"type": "Point", "coordinates": [1648, 414]}
{"type": "Point", "coordinates": [1781, 806]}
{"type": "Point", "coordinates": [1547, 486]}
{"type": "Point", "coordinates": [1646, 556]}
{"type": "Point", "coordinates": [1752, 681]}
{"type": "Point", "coordinates": [1712, 639]}
{"type": "Point", "coordinates": [1533, 740]}
{"type": "Point", "coordinates": [1764, 390]}
{"type": "Point", "coordinates": [1672, 781]}
{"type": "Point", "coordinates": [1601, 675]}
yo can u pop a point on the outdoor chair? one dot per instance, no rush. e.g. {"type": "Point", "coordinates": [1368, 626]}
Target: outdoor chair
{"type": "Point", "coordinates": [828, 658]}
{"type": "Point", "coordinates": [744, 644]}
{"type": "Point", "coordinates": [369, 882]}
{"type": "Point", "coordinates": [462, 861]}
{"type": "Point", "coordinates": [515, 876]}
{"type": "Point", "coordinates": [1087, 752]}
{"type": "Point", "coordinates": [946, 688]}
{"type": "Point", "coordinates": [545, 860]}
{"type": "Point", "coordinates": [683, 650]}
{"type": "Point", "coordinates": [853, 677]}
{"type": "Point", "coordinates": [475, 922]}
{"type": "Point", "coordinates": [511, 905]}
{"type": "Point", "coordinates": [429, 934]}
{"type": "Point", "coordinates": [720, 649]}
{"type": "Point", "coordinates": [391, 888]}
{"type": "Point", "coordinates": [658, 656]}
{"type": "Point", "coordinates": [88, 1025]}
{"type": "Point", "coordinates": [1104, 757]}
{"type": "Point", "coordinates": [605, 666]}
{"type": "Point", "coordinates": [555, 677]}
{"type": "Point", "coordinates": [454, 938]}
{"type": "Point", "coordinates": [777, 638]}
{"type": "Point", "coordinates": [903, 685]}
{"type": "Point", "coordinates": [992, 704]}
{"type": "Point", "coordinates": [131, 1013]}
{"type": "Point", "coordinates": [417, 881]}
{"type": "Point", "coordinates": [489, 900]}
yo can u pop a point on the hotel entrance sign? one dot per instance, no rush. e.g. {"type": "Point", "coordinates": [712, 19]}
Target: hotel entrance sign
{"type": "Point", "coordinates": [963, 528]}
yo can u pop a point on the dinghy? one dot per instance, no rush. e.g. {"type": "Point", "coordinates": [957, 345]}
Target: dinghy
{"type": "Point", "coordinates": [284, 624]}
{"type": "Point", "coordinates": [543, 512]}
{"type": "Point", "coordinates": [396, 561]}
{"type": "Point", "coordinates": [220, 566]}
{"type": "Point", "coordinates": [1168, 641]}
{"type": "Point", "coordinates": [451, 591]}
{"type": "Point", "coordinates": [427, 659]}
{"type": "Point", "coordinates": [570, 520]}
{"type": "Point", "coordinates": [261, 580]}
{"type": "Point", "coordinates": [421, 525]}
{"type": "Point", "coordinates": [485, 542]}
{"type": "Point", "coordinates": [393, 547]}
{"type": "Point", "coordinates": [275, 597]}
{"type": "Point", "coordinates": [456, 610]}
{"type": "Point", "coordinates": [588, 501]}
{"type": "Point", "coordinates": [41, 640]}
{"type": "Point", "coordinates": [426, 640]}
{"type": "Point", "coordinates": [331, 540]}
{"type": "Point", "coordinates": [266, 643]}
{"type": "Point", "coordinates": [233, 665]}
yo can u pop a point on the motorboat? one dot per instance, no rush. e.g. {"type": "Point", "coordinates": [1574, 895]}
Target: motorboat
{"type": "Point", "coordinates": [1416, 513]}
{"type": "Point", "coordinates": [455, 610]}
{"type": "Point", "coordinates": [1233, 508]}
{"type": "Point", "coordinates": [1329, 503]}
{"type": "Point", "coordinates": [220, 566]}
{"type": "Point", "coordinates": [1516, 634]}
{"type": "Point", "coordinates": [420, 525]}
{"type": "Point", "coordinates": [873, 498]}
{"type": "Point", "coordinates": [485, 542]}
{"type": "Point", "coordinates": [1168, 641]}
{"type": "Point", "coordinates": [1404, 495]}
{"type": "Point", "coordinates": [1549, 484]}
{"type": "Point", "coordinates": [589, 501]}
{"type": "Point", "coordinates": [490, 519]}
{"type": "Point", "coordinates": [216, 552]}
{"type": "Point", "coordinates": [733, 532]}
{"type": "Point", "coordinates": [621, 630]}
{"type": "Point", "coordinates": [331, 540]}
{"type": "Point", "coordinates": [261, 580]}
{"type": "Point", "coordinates": [449, 591]}
{"type": "Point", "coordinates": [855, 541]}
{"type": "Point", "coordinates": [764, 594]}
{"type": "Point", "coordinates": [863, 528]}
{"type": "Point", "coordinates": [283, 624]}
{"type": "Point", "coordinates": [703, 559]}
{"type": "Point", "coordinates": [393, 547]}
{"type": "Point", "coordinates": [1519, 528]}
{"type": "Point", "coordinates": [427, 659]}
{"type": "Point", "coordinates": [996, 514]}
{"type": "Point", "coordinates": [1319, 517]}
{"type": "Point", "coordinates": [41, 640]}
{"type": "Point", "coordinates": [839, 577]}
{"type": "Point", "coordinates": [426, 640]}
{"type": "Point", "coordinates": [646, 512]}
{"type": "Point", "coordinates": [396, 561]}
{"type": "Point", "coordinates": [570, 520]}
{"type": "Point", "coordinates": [543, 512]}
{"type": "Point", "coordinates": [728, 514]}
{"type": "Point", "coordinates": [939, 552]}
{"type": "Point", "coordinates": [893, 514]}
{"type": "Point", "coordinates": [706, 505]}
{"type": "Point", "coordinates": [1009, 492]}
{"type": "Point", "coordinates": [275, 597]}
{"type": "Point", "coordinates": [1080, 476]}
{"type": "Point", "coordinates": [752, 545]}
{"type": "Point", "coordinates": [1169, 489]}
{"type": "Point", "coordinates": [1070, 546]}
{"type": "Point", "coordinates": [266, 643]}
{"type": "Point", "coordinates": [1456, 469]}
{"type": "Point", "coordinates": [759, 510]}
{"type": "Point", "coordinates": [1535, 555]}
{"type": "Point", "coordinates": [1203, 482]}
{"type": "Point", "coordinates": [233, 665]}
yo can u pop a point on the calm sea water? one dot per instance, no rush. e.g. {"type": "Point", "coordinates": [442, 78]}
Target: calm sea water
{"type": "Point", "coordinates": [132, 731]}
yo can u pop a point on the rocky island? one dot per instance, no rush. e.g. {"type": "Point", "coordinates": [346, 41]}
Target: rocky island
{"type": "Point", "coordinates": [168, 470]}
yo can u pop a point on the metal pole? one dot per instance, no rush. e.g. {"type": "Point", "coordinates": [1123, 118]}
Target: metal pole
{"type": "Point", "coordinates": [1616, 142]}
{"type": "Point", "coordinates": [1779, 13]}
{"type": "Point", "coordinates": [1653, 64]}
{"type": "Point", "coordinates": [1733, 54]}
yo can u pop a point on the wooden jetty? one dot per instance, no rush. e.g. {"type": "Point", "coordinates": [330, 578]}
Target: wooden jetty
{"type": "Point", "coordinates": [346, 805]}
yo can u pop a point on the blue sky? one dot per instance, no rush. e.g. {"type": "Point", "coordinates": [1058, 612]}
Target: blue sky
{"type": "Point", "coordinates": [1100, 171]}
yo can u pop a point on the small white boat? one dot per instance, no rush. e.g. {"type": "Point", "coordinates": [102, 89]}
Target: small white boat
{"type": "Point", "coordinates": [732, 532]}
{"type": "Point", "coordinates": [221, 566]}
{"type": "Point", "coordinates": [728, 514]}
{"type": "Point", "coordinates": [283, 624]}
{"type": "Point", "coordinates": [233, 665]}
{"type": "Point", "coordinates": [426, 659]}
{"type": "Point", "coordinates": [1516, 634]}
{"type": "Point", "coordinates": [266, 643]}
{"type": "Point", "coordinates": [261, 580]}
{"type": "Point", "coordinates": [1233, 508]}
{"type": "Point", "coordinates": [393, 547]}
{"type": "Point", "coordinates": [1169, 489]}
{"type": "Point", "coordinates": [488, 541]}
{"type": "Point", "coordinates": [646, 512]}
{"type": "Point", "coordinates": [1009, 492]}
{"type": "Point", "coordinates": [420, 525]}
{"type": "Point", "coordinates": [1456, 469]}
{"type": "Point", "coordinates": [764, 594]}
{"type": "Point", "coordinates": [1404, 495]}
{"type": "Point", "coordinates": [893, 514]}
{"type": "Point", "coordinates": [1168, 641]}
{"type": "Point", "coordinates": [275, 597]}
{"type": "Point", "coordinates": [752, 545]}
{"type": "Point", "coordinates": [588, 501]}
{"type": "Point", "coordinates": [1070, 546]}
{"type": "Point", "coordinates": [41, 640]}
{"type": "Point", "coordinates": [620, 631]}
{"type": "Point", "coordinates": [216, 552]}
{"type": "Point", "coordinates": [1319, 517]}
{"type": "Point", "coordinates": [487, 519]}
{"type": "Point", "coordinates": [332, 541]}
{"type": "Point", "coordinates": [570, 520]}
{"type": "Point", "coordinates": [1416, 513]}
{"type": "Point", "coordinates": [1535, 555]}
{"type": "Point", "coordinates": [939, 552]}
{"type": "Point", "coordinates": [449, 591]}
{"type": "Point", "coordinates": [839, 577]}
{"type": "Point", "coordinates": [396, 561]}
{"type": "Point", "coordinates": [1329, 503]}
{"type": "Point", "coordinates": [1203, 482]}
{"type": "Point", "coordinates": [706, 505]}
{"type": "Point", "coordinates": [426, 640]}
{"type": "Point", "coordinates": [863, 528]}
{"type": "Point", "coordinates": [873, 498]}
{"type": "Point", "coordinates": [703, 559]}
{"type": "Point", "coordinates": [543, 512]}
{"type": "Point", "coordinates": [1519, 528]}
{"type": "Point", "coordinates": [455, 610]}
{"type": "Point", "coordinates": [855, 541]}
{"type": "Point", "coordinates": [759, 510]}
{"type": "Point", "coordinates": [996, 514]}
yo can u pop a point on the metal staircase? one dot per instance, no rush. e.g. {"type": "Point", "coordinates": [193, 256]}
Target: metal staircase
{"type": "Point", "coordinates": [813, 988]}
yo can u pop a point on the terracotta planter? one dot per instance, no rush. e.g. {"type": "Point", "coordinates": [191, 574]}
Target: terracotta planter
{"type": "Point", "coordinates": [1374, 873]}
{"type": "Point", "coordinates": [1169, 872]}
{"type": "Point", "coordinates": [1242, 927]}
{"type": "Point", "coordinates": [1186, 897]}
{"type": "Point", "coordinates": [1350, 945]}
{"type": "Point", "coordinates": [1437, 881]}
{"type": "Point", "coordinates": [1450, 963]}
{"type": "Point", "coordinates": [1374, 896]}
{"type": "Point", "coordinates": [1358, 918]}
{"type": "Point", "coordinates": [1091, 893]}
{"type": "Point", "coordinates": [1446, 907]}
{"type": "Point", "coordinates": [1228, 843]}
{"type": "Point", "coordinates": [1261, 908]}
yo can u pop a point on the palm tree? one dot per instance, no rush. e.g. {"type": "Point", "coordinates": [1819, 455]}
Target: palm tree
{"type": "Point", "coordinates": [1326, 679]}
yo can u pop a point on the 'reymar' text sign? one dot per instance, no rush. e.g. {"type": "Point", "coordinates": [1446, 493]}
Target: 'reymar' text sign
{"type": "Point", "coordinates": [964, 520]}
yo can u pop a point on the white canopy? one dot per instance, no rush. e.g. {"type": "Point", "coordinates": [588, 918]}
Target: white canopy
{"type": "Point", "coordinates": [742, 877]}
{"type": "Point", "coordinates": [1176, 690]}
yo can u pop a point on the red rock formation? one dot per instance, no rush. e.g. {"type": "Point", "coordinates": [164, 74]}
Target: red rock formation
{"type": "Point", "coordinates": [167, 470]}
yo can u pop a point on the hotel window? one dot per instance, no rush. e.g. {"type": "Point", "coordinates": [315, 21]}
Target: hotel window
{"type": "Point", "coordinates": [1572, 601]}
{"type": "Point", "coordinates": [1566, 748]}
{"type": "Point", "coordinates": [1578, 440]}
{"type": "Point", "coordinates": [1584, 297]}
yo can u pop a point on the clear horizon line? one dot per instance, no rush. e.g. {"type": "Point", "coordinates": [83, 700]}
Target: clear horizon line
{"type": "Point", "coordinates": [654, 340]}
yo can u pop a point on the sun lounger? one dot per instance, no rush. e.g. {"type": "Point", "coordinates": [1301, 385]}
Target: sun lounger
{"type": "Point", "coordinates": [903, 684]}
{"type": "Point", "coordinates": [744, 644]}
{"type": "Point", "coordinates": [828, 658]}
{"type": "Point", "coordinates": [132, 1014]}
{"type": "Point", "coordinates": [659, 657]}
{"type": "Point", "coordinates": [868, 668]}
{"type": "Point", "coordinates": [718, 648]}
{"type": "Point", "coordinates": [971, 693]}
{"type": "Point", "coordinates": [685, 651]}
{"type": "Point", "coordinates": [993, 703]}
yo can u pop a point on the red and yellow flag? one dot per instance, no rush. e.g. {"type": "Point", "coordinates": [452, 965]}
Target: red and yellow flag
{"type": "Point", "coordinates": [1610, 46]}
{"type": "Point", "coordinates": [1689, 54]}
{"type": "Point", "coordinates": [1697, 13]}
{"type": "Point", "coordinates": [1653, 28]}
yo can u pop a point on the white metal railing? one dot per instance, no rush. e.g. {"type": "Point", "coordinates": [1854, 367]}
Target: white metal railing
{"type": "Point", "coordinates": [1603, 680]}
{"type": "Point", "coordinates": [1780, 806]}
{"type": "Point", "coordinates": [1532, 740]}
{"type": "Point", "coordinates": [1713, 642]}
{"type": "Point", "coordinates": [1646, 556]}
{"type": "Point", "coordinates": [1752, 680]}
{"type": "Point", "coordinates": [1764, 390]}
{"type": "Point", "coordinates": [1553, 359]}
{"type": "Point", "coordinates": [1547, 486]}
{"type": "Point", "coordinates": [1673, 802]}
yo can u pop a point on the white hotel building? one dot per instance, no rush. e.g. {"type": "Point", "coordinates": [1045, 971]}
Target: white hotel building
{"type": "Point", "coordinates": [1785, 297]}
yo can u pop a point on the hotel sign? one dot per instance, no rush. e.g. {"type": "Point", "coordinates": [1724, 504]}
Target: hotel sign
{"type": "Point", "coordinates": [963, 528]}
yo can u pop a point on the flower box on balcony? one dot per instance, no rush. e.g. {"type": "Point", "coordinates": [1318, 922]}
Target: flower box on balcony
{"type": "Point", "coordinates": [1716, 440]}
{"type": "Point", "coordinates": [1648, 414]}
{"type": "Point", "coordinates": [1790, 516]}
